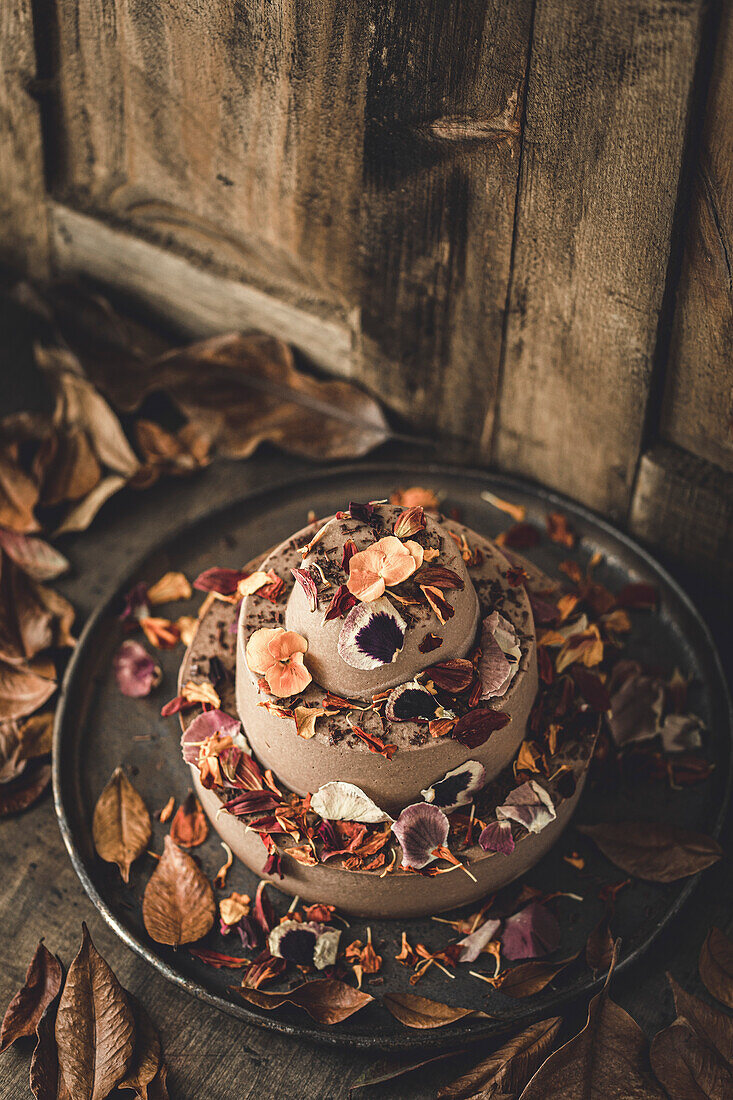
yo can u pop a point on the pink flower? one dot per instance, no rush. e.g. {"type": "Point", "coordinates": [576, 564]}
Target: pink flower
{"type": "Point", "coordinates": [388, 561]}
{"type": "Point", "coordinates": [277, 654]}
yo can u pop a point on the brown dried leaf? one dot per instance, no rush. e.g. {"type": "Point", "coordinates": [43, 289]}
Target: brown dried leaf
{"type": "Point", "coordinates": [67, 466]}
{"type": "Point", "coordinates": [22, 690]}
{"type": "Point", "coordinates": [35, 557]}
{"type": "Point", "coordinates": [18, 494]}
{"type": "Point", "coordinates": [36, 736]}
{"type": "Point", "coordinates": [716, 966]}
{"type": "Point", "coordinates": [44, 1071]}
{"type": "Point", "coordinates": [714, 1026]}
{"type": "Point", "coordinates": [94, 1026]}
{"type": "Point", "coordinates": [530, 977]}
{"type": "Point", "coordinates": [32, 617]}
{"type": "Point", "coordinates": [420, 1012]}
{"type": "Point", "coordinates": [508, 1069]}
{"type": "Point", "coordinates": [243, 389]}
{"type": "Point", "coordinates": [654, 851]}
{"type": "Point", "coordinates": [688, 1066]}
{"type": "Point", "coordinates": [327, 1000]}
{"type": "Point", "coordinates": [608, 1058]}
{"type": "Point", "coordinates": [121, 826]}
{"type": "Point", "coordinates": [599, 945]}
{"type": "Point", "coordinates": [189, 827]}
{"type": "Point", "coordinates": [41, 986]}
{"type": "Point", "coordinates": [24, 791]}
{"type": "Point", "coordinates": [147, 1056]}
{"type": "Point", "coordinates": [178, 904]}
{"type": "Point", "coordinates": [388, 1069]}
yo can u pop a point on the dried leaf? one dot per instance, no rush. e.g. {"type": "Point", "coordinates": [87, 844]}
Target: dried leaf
{"type": "Point", "coordinates": [42, 984]}
{"type": "Point", "coordinates": [44, 1071]}
{"type": "Point", "coordinates": [178, 904]}
{"type": "Point", "coordinates": [244, 389]}
{"type": "Point", "coordinates": [32, 617]}
{"type": "Point", "coordinates": [94, 1026]}
{"type": "Point", "coordinates": [35, 557]}
{"type": "Point", "coordinates": [530, 977]}
{"type": "Point", "coordinates": [79, 518]}
{"type": "Point", "coordinates": [147, 1057]}
{"type": "Point", "coordinates": [189, 827]}
{"type": "Point", "coordinates": [121, 826]}
{"type": "Point", "coordinates": [327, 1000]}
{"type": "Point", "coordinates": [422, 1013]}
{"type": "Point", "coordinates": [712, 1024]}
{"type": "Point", "coordinates": [508, 1069]}
{"type": "Point", "coordinates": [716, 966]}
{"type": "Point", "coordinates": [388, 1069]}
{"type": "Point", "coordinates": [608, 1058]}
{"type": "Point", "coordinates": [599, 945]}
{"type": "Point", "coordinates": [22, 690]}
{"type": "Point", "coordinates": [36, 736]}
{"type": "Point", "coordinates": [653, 851]}
{"type": "Point", "coordinates": [18, 494]}
{"type": "Point", "coordinates": [24, 791]}
{"type": "Point", "coordinates": [687, 1065]}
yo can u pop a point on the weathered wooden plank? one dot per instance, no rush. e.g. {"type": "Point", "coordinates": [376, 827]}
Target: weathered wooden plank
{"type": "Point", "coordinates": [683, 506]}
{"type": "Point", "coordinates": [698, 404]}
{"type": "Point", "coordinates": [607, 107]}
{"type": "Point", "coordinates": [197, 302]}
{"type": "Point", "coordinates": [23, 234]}
{"type": "Point", "coordinates": [444, 101]}
{"type": "Point", "coordinates": [229, 131]}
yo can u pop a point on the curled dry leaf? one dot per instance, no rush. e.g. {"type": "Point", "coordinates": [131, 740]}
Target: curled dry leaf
{"type": "Point", "coordinates": [599, 945]}
{"type": "Point", "coordinates": [24, 791]}
{"type": "Point", "coordinates": [94, 1026]}
{"type": "Point", "coordinates": [388, 1069]}
{"type": "Point", "coordinates": [530, 977]}
{"type": "Point", "coordinates": [654, 851]}
{"type": "Point", "coordinates": [420, 1012]}
{"type": "Point", "coordinates": [178, 904]}
{"type": "Point", "coordinates": [687, 1065]}
{"type": "Point", "coordinates": [714, 1026]}
{"type": "Point", "coordinates": [327, 1000]}
{"type": "Point", "coordinates": [609, 1057]}
{"type": "Point", "coordinates": [44, 1071]}
{"type": "Point", "coordinates": [147, 1056]}
{"type": "Point", "coordinates": [508, 1069]}
{"type": "Point", "coordinates": [121, 825]}
{"type": "Point", "coordinates": [37, 558]}
{"type": "Point", "coordinates": [41, 986]}
{"type": "Point", "coordinates": [23, 689]}
{"type": "Point", "coordinates": [716, 966]}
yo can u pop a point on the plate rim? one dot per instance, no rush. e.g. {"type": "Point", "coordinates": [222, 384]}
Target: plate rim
{"type": "Point", "coordinates": [408, 1040]}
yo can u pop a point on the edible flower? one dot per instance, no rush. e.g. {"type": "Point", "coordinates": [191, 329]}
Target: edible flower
{"type": "Point", "coordinates": [386, 562]}
{"type": "Point", "coordinates": [277, 654]}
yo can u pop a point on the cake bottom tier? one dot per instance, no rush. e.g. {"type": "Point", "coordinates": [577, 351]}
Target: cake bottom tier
{"type": "Point", "coordinates": [398, 893]}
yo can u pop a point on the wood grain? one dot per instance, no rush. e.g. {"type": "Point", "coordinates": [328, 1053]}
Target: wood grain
{"type": "Point", "coordinates": [607, 107]}
{"type": "Point", "coordinates": [683, 506]}
{"type": "Point", "coordinates": [698, 405]}
{"type": "Point", "coordinates": [229, 131]}
{"type": "Point", "coordinates": [23, 234]}
{"type": "Point", "coordinates": [441, 157]}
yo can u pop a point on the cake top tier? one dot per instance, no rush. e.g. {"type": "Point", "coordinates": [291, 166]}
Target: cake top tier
{"type": "Point", "coordinates": [404, 581]}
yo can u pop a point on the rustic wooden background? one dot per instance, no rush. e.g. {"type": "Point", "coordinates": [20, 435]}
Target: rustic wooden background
{"type": "Point", "coordinates": [509, 218]}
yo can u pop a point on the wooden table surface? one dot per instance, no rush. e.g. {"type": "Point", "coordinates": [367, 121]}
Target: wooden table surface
{"type": "Point", "coordinates": [211, 1056]}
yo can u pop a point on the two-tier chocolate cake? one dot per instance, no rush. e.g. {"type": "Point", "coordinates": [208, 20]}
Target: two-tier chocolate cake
{"type": "Point", "coordinates": [383, 669]}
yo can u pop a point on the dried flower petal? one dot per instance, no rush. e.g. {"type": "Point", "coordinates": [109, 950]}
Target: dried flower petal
{"type": "Point", "coordinates": [475, 942]}
{"type": "Point", "coordinates": [530, 933]}
{"type": "Point", "coordinates": [416, 497]}
{"type": "Point", "coordinates": [497, 837]}
{"type": "Point", "coordinates": [255, 582]}
{"type": "Point", "coordinates": [500, 656]}
{"type": "Point", "coordinates": [222, 581]}
{"type": "Point", "coordinates": [410, 702]}
{"type": "Point", "coordinates": [341, 603]}
{"type": "Point", "coordinates": [457, 787]}
{"type": "Point", "coordinates": [135, 670]}
{"type": "Point", "coordinates": [636, 709]}
{"type": "Point", "coordinates": [409, 522]}
{"type": "Point", "coordinates": [430, 642]}
{"type": "Point", "coordinates": [476, 726]}
{"type": "Point", "coordinates": [337, 801]}
{"type": "Point", "coordinates": [529, 805]}
{"type": "Point", "coordinates": [277, 654]}
{"type": "Point", "coordinates": [189, 827]}
{"type": "Point", "coordinates": [306, 582]}
{"type": "Point", "coordinates": [327, 1000]}
{"type": "Point", "coordinates": [386, 562]}
{"type": "Point", "coordinates": [372, 635]}
{"type": "Point", "coordinates": [421, 829]}
{"type": "Point", "coordinates": [454, 675]}
{"type": "Point", "coordinates": [170, 587]}
{"type": "Point", "coordinates": [305, 943]}
{"type": "Point", "coordinates": [305, 720]}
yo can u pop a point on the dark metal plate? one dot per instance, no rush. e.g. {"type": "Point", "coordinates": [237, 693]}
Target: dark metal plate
{"type": "Point", "coordinates": [97, 729]}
